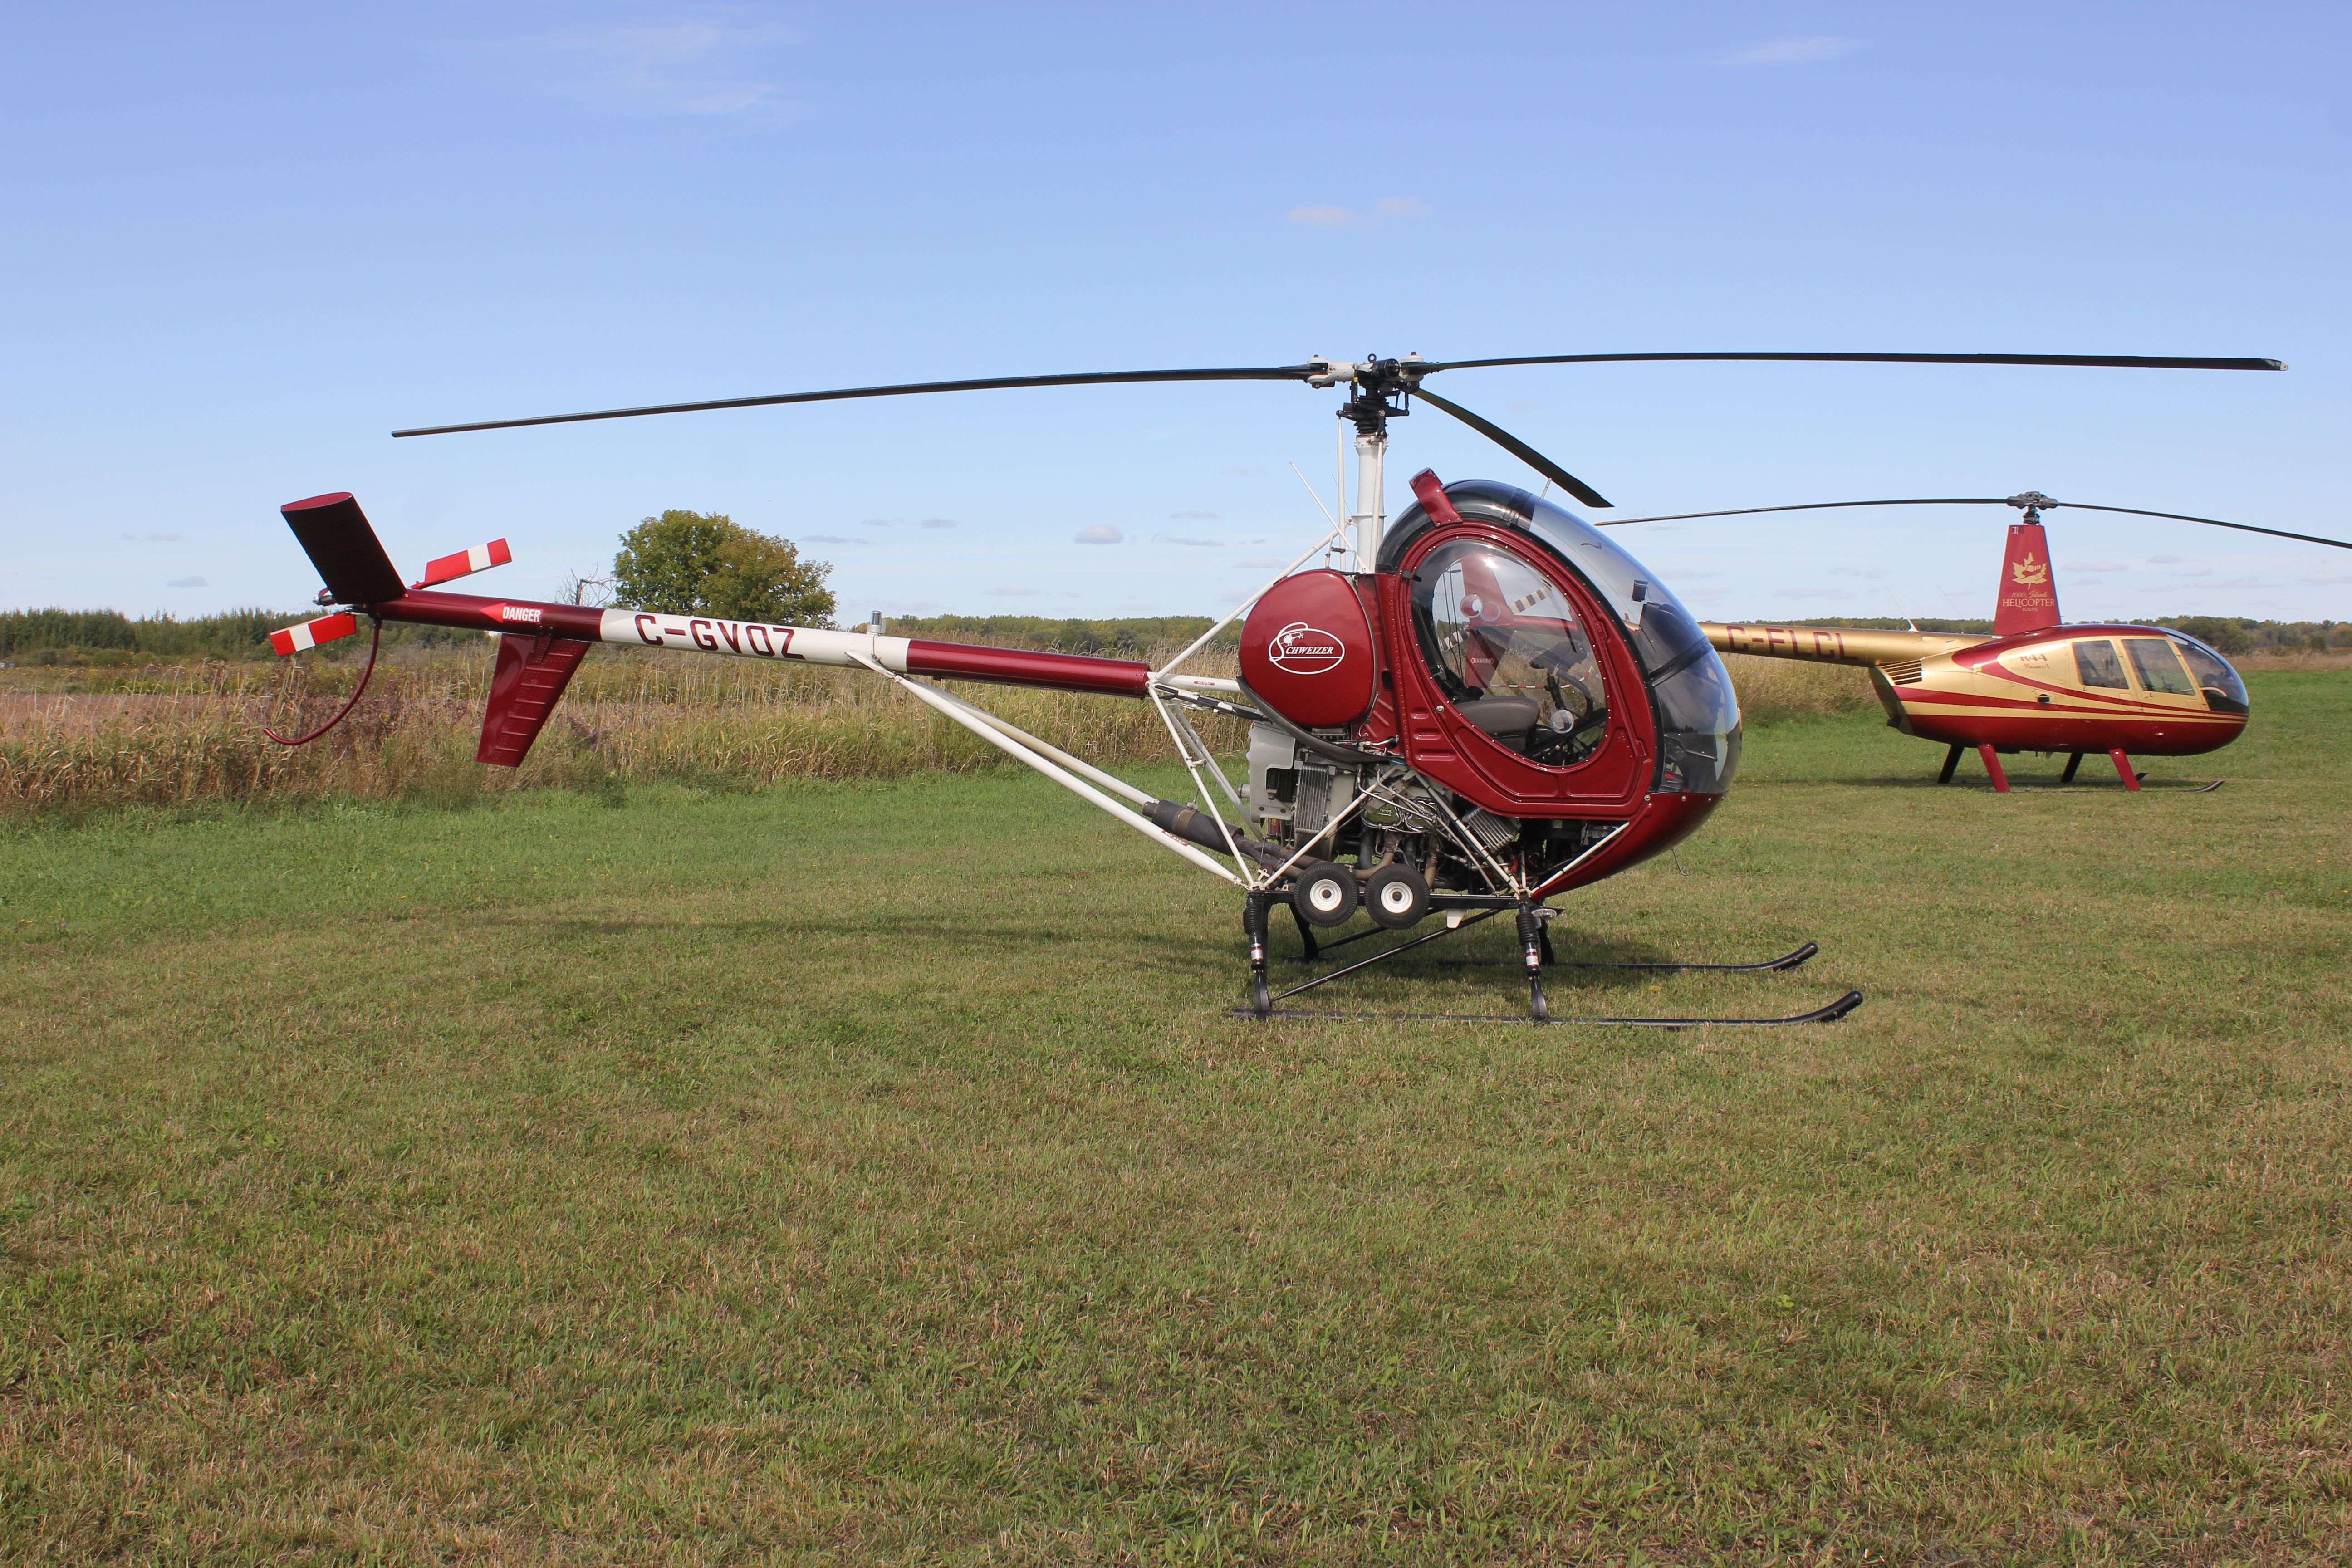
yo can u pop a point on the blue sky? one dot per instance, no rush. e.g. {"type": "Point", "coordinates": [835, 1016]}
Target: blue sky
{"type": "Point", "coordinates": [245, 242]}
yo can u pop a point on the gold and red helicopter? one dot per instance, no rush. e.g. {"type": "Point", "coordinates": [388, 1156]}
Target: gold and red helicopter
{"type": "Point", "coordinates": [1492, 705]}
{"type": "Point", "coordinates": [2035, 684]}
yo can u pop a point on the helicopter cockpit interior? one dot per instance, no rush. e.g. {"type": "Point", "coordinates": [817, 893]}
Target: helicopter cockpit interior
{"type": "Point", "coordinates": [1509, 652]}
{"type": "Point", "coordinates": [1697, 713]}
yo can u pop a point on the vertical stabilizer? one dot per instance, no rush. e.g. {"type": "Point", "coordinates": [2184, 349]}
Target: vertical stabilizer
{"type": "Point", "coordinates": [2029, 599]}
{"type": "Point", "coordinates": [532, 674]}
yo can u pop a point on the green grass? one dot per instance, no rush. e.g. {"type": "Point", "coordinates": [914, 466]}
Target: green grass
{"type": "Point", "coordinates": [870, 1173]}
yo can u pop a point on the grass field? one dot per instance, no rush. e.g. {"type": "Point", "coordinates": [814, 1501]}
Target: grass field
{"type": "Point", "coordinates": [870, 1172]}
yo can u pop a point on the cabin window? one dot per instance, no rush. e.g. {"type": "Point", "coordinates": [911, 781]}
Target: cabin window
{"type": "Point", "coordinates": [2225, 692]}
{"type": "Point", "coordinates": [1510, 651]}
{"type": "Point", "coordinates": [2159, 666]}
{"type": "Point", "coordinates": [2096, 663]}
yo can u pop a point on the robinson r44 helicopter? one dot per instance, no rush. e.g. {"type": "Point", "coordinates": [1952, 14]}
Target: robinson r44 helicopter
{"type": "Point", "coordinates": [2035, 684]}
{"type": "Point", "coordinates": [1493, 706]}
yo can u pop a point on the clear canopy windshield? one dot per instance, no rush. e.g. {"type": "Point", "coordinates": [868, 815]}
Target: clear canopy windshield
{"type": "Point", "coordinates": [1698, 713]}
{"type": "Point", "coordinates": [2225, 692]}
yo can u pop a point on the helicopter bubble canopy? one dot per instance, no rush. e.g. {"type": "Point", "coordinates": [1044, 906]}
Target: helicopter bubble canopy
{"type": "Point", "coordinates": [1698, 713]}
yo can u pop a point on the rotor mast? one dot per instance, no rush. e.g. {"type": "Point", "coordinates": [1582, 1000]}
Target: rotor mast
{"type": "Point", "coordinates": [1369, 410]}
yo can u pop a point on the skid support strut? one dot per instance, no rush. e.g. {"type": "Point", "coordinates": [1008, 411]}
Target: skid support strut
{"type": "Point", "coordinates": [1254, 922]}
{"type": "Point", "coordinates": [1992, 766]}
{"type": "Point", "coordinates": [1531, 951]}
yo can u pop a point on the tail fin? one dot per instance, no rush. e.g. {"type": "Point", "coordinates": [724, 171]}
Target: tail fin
{"type": "Point", "coordinates": [532, 674]}
{"type": "Point", "coordinates": [335, 534]}
{"type": "Point", "coordinates": [2029, 599]}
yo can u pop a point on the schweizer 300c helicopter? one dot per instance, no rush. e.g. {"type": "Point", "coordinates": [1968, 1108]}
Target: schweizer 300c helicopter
{"type": "Point", "coordinates": [2036, 684]}
{"type": "Point", "coordinates": [1493, 706]}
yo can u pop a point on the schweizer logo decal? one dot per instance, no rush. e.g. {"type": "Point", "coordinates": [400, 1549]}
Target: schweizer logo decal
{"type": "Point", "coordinates": [1303, 650]}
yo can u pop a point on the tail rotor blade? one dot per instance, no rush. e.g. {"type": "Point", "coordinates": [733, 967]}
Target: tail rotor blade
{"type": "Point", "coordinates": [1516, 448]}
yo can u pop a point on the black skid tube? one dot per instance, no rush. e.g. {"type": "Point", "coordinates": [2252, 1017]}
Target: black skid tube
{"type": "Point", "coordinates": [1825, 1015]}
{"type": "Point", "coordinates": [1795, 958]}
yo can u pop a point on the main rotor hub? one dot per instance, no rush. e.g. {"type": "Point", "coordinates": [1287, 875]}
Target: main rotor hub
{"type": "Point", "coordinates": [1377, 381]}
{"type": "Point", "coordinates": [2031, 502]}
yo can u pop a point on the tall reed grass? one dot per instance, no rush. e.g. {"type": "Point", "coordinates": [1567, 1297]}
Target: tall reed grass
{"type": "Point", "coordinates": [167, 736]}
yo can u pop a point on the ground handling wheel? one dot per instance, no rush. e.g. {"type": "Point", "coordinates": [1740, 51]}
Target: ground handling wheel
{"type": "Point", "coordinates": [1396, 897]}
{"type": "Point", "coordinates": [1324, 894]}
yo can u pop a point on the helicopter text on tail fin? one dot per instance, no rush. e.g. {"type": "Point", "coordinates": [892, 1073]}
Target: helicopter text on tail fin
{"type": "Point", "coordinates": [335, 534]}
{"type": "Point", "coordinates": [2029, 599]}
{"type": "Point", "coordinates": [532, 671]}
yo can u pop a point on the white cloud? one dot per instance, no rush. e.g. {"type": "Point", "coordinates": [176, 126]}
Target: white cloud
{"type": "Point", "coordinates": [939, 523]}
{"type": "Point", "coordinates": [1387, 210]}
{"type": "Point", "coordinates": [1100, 533]}
{"type": "Point", "coordinates": [1180, 539]}
{"type": "Point", "coordinates": [1790, 51]}
{"type": "Point", "coordinates": [2325, 577]}
{"type": "Point", "coordinates": [2095, 566]}
{"type": "Point", "coordinates": [679, 58]}
{"type": "Point", "coordinates": [2163, 559]}
{"type": "Point", "coordinates": [825, 539]}
{"type": "Point", "coordinates": [873, 522]}
{"type": "Point", "coordinates": [1012, 592]}
{"type": "Point", "coordinates": [187, 582]}
{"type": "Point", "coordinates": [1193, 516]}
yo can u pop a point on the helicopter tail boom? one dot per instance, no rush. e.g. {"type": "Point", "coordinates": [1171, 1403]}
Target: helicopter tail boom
{"type": "Point", "coordinates": [1830, 645]}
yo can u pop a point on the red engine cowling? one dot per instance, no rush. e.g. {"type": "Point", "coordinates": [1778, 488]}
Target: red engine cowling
{"type": "Point", "coordinates": [1309, 652]}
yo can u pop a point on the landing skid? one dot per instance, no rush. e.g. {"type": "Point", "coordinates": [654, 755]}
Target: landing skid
{"type": "Point", "coordinates": [1536, 955]}
{"type": "Point", "coordinates": [1828, 1015]}
{"type": "Point", "coordinates": [1793, 959]}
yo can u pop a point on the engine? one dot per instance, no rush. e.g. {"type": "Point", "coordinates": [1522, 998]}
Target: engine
{"type": "Point", "coordinates": [1367, 813]}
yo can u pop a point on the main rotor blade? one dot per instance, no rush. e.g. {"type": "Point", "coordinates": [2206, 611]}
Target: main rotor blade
{"type": "Point", "coordinates": [1808, 506]}
{"type": "Point", "coordinates": [990, 384]}
{"type": "Point", "coordinates": [1516, 447]}
{"type": "Point", "coordinates": [1977, 501]}
{"type": "Point", "coordinates": [2123, 361]}
{"type": "Point", "coordinates": [2213, 521]}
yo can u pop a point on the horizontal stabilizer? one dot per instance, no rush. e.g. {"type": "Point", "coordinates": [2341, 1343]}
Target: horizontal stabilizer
{"type": "Point", "coordinates": [335, 534]}
{"type": "Point", "coordinates": [532, 671]}
{"type": "Point", "coordinates": [464, 563]}
{"type": "Point", "coordinates": [310, 633]}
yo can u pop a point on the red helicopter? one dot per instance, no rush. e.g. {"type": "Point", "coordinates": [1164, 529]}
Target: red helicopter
{"type": "Point", "coordinates": [1493, 706]}
{"type": "Point", "coordinates": [2036, 684]}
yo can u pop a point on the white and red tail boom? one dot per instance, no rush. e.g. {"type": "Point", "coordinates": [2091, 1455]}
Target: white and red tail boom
{"type": "Point", "coordinates": [543, 643]}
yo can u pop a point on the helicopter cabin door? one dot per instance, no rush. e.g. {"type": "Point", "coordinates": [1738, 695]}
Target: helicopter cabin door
{"type": "Point", "coordinates": [1523, 695]}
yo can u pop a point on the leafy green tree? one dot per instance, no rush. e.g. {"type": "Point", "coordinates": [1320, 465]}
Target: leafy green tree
{"type": "Point", "coordinates": [707, 564]}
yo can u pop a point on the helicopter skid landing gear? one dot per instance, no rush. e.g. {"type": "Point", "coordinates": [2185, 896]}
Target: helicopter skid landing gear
{"type": "Point", "coordinates": [1254, 924]}
{"type": "Point", "coordinates": [1535, 955]}
{"type": "Point", "coordinates": [1531, 951]}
